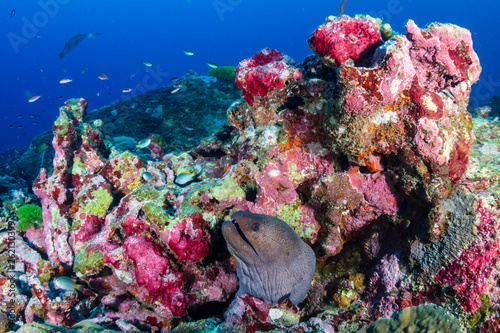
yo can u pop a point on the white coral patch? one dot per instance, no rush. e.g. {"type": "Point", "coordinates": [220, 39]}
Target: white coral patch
{"type": "Point", "coordinates": [275, 314]}
{"type": "Point", "coordinates": [428, 103]}
{"type": "Point", "coordinates": [395, 86]}
{"type": "Point", "coordinates": [124, 276]}
{"type": "Point", "coordinates": [317, 148]}
{"type": "Point", "coordinates": [384, 118]}
{"type": "Point", "coordinates": [269, 136]}
{"type": "Point", "coordinates": [274, 173]}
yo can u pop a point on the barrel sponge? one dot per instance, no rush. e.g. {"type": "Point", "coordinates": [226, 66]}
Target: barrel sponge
{"type": "Point", "coordinates": [417, 319]}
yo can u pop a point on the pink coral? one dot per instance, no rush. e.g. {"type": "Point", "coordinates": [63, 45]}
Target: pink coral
{"type": "Point", "coordinates": [416, 84]}
{"type": "Point", "coordinates": [268, 70]}
{"type": "Point", "coordinates": [341, 155]}
{"type": "Point", "coordinates": [123, 172]}
{"type": "Point", "coordinates": [468, 274]}
{"type": "Point", "coordinates": [342, 38]}
{"type": "Point", "coordinates": [442, 48]}
{"type": "Point", "coordinates": [189, 239]}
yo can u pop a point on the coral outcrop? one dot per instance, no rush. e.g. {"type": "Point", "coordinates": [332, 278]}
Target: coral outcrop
{"type": "Point", "coordinates": [362, 149]}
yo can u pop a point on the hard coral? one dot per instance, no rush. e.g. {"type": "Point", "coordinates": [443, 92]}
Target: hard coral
{"type": "Point", "coordinates": [419, 319]}
{"type": "Point", "coordinates": [268, 71]}
{"type": "Point", "coordinates": [342, 38]}
{"type": "Point", "coordinates": [392, 104]}
{"type": "Point", "coordinates": [361, 160]}
{"type": "Point", "coordinates": [468, 273]}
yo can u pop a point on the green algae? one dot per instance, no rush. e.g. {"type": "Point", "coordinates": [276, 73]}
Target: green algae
{"type": "Point", "coordinates": [295, 176]}
{"type": "Point", "coordinates": [484, 160]}
{"type": "Point", "coordinates": [96, 203]}
{"type": "Point", "coordinates": [99, 203]}
{"type": "Point", "coordinates": [209, 325]}
{"type": "Point", "coordinates": [50, 328]}
{"type": "Point", "coordinates": [188, 204]}
{"type": "Point", "coordinates": [45, 274]}
{"type": "Point", "coordinates": [36, 307]}
{"type": "Point", "coordinates": [87, 262]}
{"type": "Point", "coordinates": [61, 125]}
{"type": "Point", "coordinates": [79, 168]}
{"type": "Point", "coordinates": [29, 216]}
{"type": "Point", "coordinates": [479, 316]}
{"type": "Point", "coordinates": [126, 166]}
{"type": "Point", "coordinates": [421, 318]}
{"type": "Point", "coordinates": [227, 190]}
{"type": "Point", "coordinates": [75, 109]}
{"type": "Point", "coordinates": [55, 213]}
{"type": "Point", "coordinates": [156, 215]}
{"type": "Point", "coordinates": [145, 193]}
{"type": "Point", "coordinates": [292, 214]}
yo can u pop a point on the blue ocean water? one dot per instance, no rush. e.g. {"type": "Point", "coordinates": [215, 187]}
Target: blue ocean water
{"type": "Point", "coordinates": [157, 31]}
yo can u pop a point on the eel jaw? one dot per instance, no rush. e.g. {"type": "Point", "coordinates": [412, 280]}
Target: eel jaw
{"type": "Point", "coordinates": [242, 235]}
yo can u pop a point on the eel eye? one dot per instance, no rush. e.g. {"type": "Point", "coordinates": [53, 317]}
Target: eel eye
{"type": "Point", "coordinates": [255, 227]}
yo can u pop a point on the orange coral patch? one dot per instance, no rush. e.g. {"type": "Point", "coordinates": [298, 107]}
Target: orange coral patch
{"type": "Point", "coordinates": [292, 141]}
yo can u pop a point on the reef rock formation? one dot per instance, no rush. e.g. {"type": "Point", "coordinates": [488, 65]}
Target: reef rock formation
{"type": "Point", "coordinates": [365, 161]}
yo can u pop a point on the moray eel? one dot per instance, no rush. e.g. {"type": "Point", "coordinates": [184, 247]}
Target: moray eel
{"type": "Point", "coordinates": [273, 262]}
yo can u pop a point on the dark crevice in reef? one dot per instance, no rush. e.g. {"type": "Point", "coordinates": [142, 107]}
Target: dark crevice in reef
{"type": "Point", "coordinates": [366, 57]}
{"type": "Point", "coordinates": [209, 310]}
{"type": "Point", "coordinates": [364, 169]}
{"type": "Point", "coordinates": [365, 250]}
{"type": "Point", "coordinates": [225, 133]}
{"type": "Point", "coordinates": [291, 103]}
{"type": "Point", "coordinates": [413, 208]}
{"type": "Point", "coordinates": [41, 252]}
{"type": "Point", "coordinates": [251, 191]}
{"type": "Point", "coordinates": [117, 197]}
{"type": "Point", "coordinates": [343, 163]}
{"type": "Point", "coordinates": [210, 153]}
{"type": "Point", "coordinates": [304, 191]}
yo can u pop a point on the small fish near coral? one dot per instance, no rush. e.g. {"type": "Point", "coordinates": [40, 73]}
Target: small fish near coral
{"type": "Point", "coordinates": [273, 262]}
{"type": "Point", "coordinates": [143, 143]}
{"type": "Point", "coordinates": [66, 283]}
{"type": "Point", "coordinates": [185, 178]}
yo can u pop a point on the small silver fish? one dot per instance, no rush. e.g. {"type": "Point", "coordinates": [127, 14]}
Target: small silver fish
{"type": "Point", "coordinates": [64, 282]}
{"type": "Point", "coordinates": [185, 178]}
{"type": "Point", "coordinates": [143, 143]}
{"type": "Point", "coordinates": [147, 176]}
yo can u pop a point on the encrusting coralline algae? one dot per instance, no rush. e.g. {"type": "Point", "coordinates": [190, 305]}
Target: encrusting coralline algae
{"type": "Point", "coordinates": [361, 148]}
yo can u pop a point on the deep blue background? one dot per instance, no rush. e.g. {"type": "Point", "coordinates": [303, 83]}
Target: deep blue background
{"type": "Point", "coordinates": [220, 31]}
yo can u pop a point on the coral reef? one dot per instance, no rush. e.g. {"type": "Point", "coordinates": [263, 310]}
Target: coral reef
{"type": "Point", "coordinates": [343, 38]}
{"type": "Point", "coordinates": [362, 149]}
{"type": "Point", "coordinates": [419, 319]}
{"type": "Point", "coordinates": [183, 119]}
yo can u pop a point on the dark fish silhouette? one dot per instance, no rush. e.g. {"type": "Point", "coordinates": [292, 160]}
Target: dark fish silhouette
{"type": "Point", "coordinates": [75, 40]}
{"type": "Point", "coordinates": [12, 12]}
